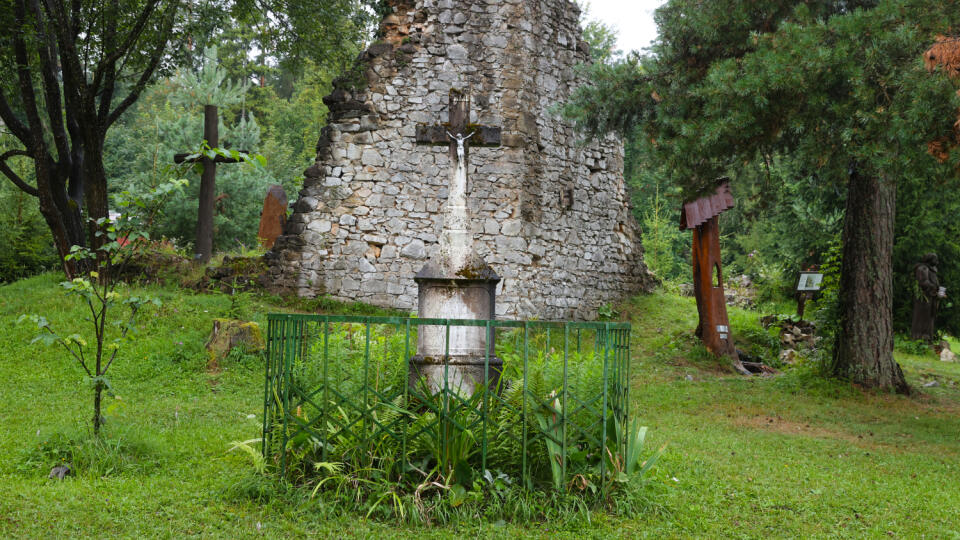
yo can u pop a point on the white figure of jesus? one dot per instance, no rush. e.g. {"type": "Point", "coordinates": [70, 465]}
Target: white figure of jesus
{"type": "Point", "coordinates": [460, 140]}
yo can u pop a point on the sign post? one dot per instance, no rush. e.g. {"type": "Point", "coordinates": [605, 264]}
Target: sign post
{"type": "Point", "coordinates": [808, 284]}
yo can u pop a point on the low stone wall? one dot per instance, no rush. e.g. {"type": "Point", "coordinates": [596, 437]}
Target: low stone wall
{"type": "Point", "coordinates": [550, 214]}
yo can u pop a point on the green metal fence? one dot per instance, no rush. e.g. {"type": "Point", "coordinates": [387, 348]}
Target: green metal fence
{"type": "Point", "coordinates": [337, 391]}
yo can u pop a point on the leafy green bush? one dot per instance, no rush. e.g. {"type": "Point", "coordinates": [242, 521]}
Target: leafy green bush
{"type": "Point", "coordinates": [906, 345]}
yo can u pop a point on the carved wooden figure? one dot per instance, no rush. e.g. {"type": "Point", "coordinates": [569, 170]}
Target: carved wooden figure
{"type": "Point", "coordinates": [701, 216]}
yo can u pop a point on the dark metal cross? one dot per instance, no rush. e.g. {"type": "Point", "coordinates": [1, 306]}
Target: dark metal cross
{"type": "Point", "coordinates": [203, 248]}
{"type": "Point", "coordinates": [459, 127]}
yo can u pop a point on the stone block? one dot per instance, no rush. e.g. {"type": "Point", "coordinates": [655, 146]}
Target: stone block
{"type": "Point", "coordinates": [414, 250]}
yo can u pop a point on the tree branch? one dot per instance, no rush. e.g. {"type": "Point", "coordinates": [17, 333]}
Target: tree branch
{"type": "Point", "coordinates": [123, 334]}
{"type": "Point", "coordinates": [24, 76]}
{"type": "Point", "coordinates": [148, 72]}
{"type": "Point", "coordinates": [69, 350]}
{"type": "Point", "coordinates": [74, 18]}
{"type": "Point", "coordinates": [74, 75]}
{"type": "Point", "coordinates": [14, 177]}
{"type": "Point", "coordinates": [93, 313]}
{"type": "Point", "coordinates": [134, 34]}
{"type": "Point", "coordinates": [106, 72]}
{"type": "Point", "coordinates": [16, 127]}
{"type": "Point", "coordinates": [83, 358]}
{"type": "Point", "coordinates": [47, 54]}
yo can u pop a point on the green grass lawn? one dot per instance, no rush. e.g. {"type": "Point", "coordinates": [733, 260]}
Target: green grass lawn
{"type": "Point", "coordinates": [791, 455]}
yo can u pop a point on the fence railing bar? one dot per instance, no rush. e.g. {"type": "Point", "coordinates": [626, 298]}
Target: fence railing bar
{"type": "Point", "coordinates": [444, 418]}
{"type": "Point", "coordinates": [497, 323]}
{"type": "Point", "coordinates": [366, 387]}
{"type": "Point", "coordinates": [406, 394]}
{"type": "Point", "coordinates": [265, 432]}
{"type": "Point", "coordinates": [603, 409]}
{"type": "Point", "coordinates": [566, 389]}
{"type": "Point", "coordinates": [486, 392]}
{"type": "Point", "coordinates": [325, 451]}
{"type": "Point", "coordinates": [286, 394]}
{"type": "Point", "coordinates": [524, 470]}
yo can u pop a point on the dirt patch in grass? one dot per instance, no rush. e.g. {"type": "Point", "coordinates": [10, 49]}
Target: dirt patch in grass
{"type": "Point", "coordinates": [718, 368]}
{"type": "Point", "coordinates": [779, 424]}
{"type": "Point", "coordinates": [866, 441]}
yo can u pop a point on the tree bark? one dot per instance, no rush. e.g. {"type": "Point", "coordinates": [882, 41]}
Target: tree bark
{"type": "Point", "coordinates": [863, 351]}
{"type": "Point", "coordinates": [97, 400]}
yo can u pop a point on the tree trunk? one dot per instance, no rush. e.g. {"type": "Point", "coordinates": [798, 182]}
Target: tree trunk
{"type": "Point", "coordinates": [863, 351]}
{"type": "Point", "coordinates": [97, 399]}
{"type": "Point", "coordinates": [60, 210]}
{"type": "Point", "coordinates": [95, 197]}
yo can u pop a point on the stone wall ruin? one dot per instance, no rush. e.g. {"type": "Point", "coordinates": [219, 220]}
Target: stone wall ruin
{"type": "Point", "coordinates": [550, 214]}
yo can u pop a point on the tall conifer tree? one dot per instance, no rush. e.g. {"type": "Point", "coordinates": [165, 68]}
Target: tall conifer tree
{"type": "Point", "coordinates": [838, 85]}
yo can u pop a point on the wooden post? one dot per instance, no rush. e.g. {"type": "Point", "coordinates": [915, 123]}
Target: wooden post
{"type": "Point", "coordinates": [203, 248]}
{"type": "Point", "coordinates": [713, 328]}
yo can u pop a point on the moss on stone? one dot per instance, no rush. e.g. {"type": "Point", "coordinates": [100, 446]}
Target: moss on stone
{"type": "Point", "coordinates": [228, 334]}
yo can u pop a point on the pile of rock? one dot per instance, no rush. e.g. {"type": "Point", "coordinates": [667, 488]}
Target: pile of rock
{"type": "Point", "coordinates": [741, 292]}
{"type": "Point", "coordinates": [943, 351]}
{"type": "Point", "coordinates": [794, 336]}
{"type": "Point", "coordinates": [234, 274]}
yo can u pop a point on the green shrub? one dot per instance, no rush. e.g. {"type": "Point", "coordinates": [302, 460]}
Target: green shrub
{"type": "Point", "coordinates": [906, 345]}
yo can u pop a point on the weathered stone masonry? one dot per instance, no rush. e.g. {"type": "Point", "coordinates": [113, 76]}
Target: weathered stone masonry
{"type": "Point", "coordinates": [550, 215]}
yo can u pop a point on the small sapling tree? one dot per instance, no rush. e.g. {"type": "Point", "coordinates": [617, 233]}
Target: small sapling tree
{"type": "Point", "coordinates": [114, 308]}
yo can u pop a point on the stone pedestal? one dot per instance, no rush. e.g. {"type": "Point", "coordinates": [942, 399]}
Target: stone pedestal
{"type": "Point", "coordinates": [467, 293]}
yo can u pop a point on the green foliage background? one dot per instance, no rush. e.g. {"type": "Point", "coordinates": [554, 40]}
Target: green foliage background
{"type": "Point", "coordinates": [169, 120]}
{"type": "Point", "coordinates": [783, 98]}
{"type": "Point", "coordinates": [26, 247]}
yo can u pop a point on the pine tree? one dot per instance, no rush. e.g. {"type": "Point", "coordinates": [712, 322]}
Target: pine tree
{"type": "Point", "coordinates": [838, 86]}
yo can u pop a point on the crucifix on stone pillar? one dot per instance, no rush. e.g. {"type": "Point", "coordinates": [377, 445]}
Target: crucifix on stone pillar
{"type": "Point", "coordinates": [456, 241]}
{"type": "Point", "coordinates": [203, 248]}
{"type": "Point", "coordinates": [457, 283]}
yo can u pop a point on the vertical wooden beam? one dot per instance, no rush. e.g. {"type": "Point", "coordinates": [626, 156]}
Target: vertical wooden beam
{"type": "Point", "coordinates": [203, 248]}
{"type": "Point", "coordinates": [714, 327]}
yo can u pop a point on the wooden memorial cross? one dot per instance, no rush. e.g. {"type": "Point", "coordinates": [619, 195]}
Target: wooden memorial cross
{"type": "Point", "coordinates": [701, 216]}
{"type": "Point", "coordinates": [203, 248]}
{"type": "Point", "coordinates": [458, 126]}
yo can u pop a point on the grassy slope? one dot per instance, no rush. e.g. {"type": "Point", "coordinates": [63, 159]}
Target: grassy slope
{"type": "Point", "coordinates": [786, 456]}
